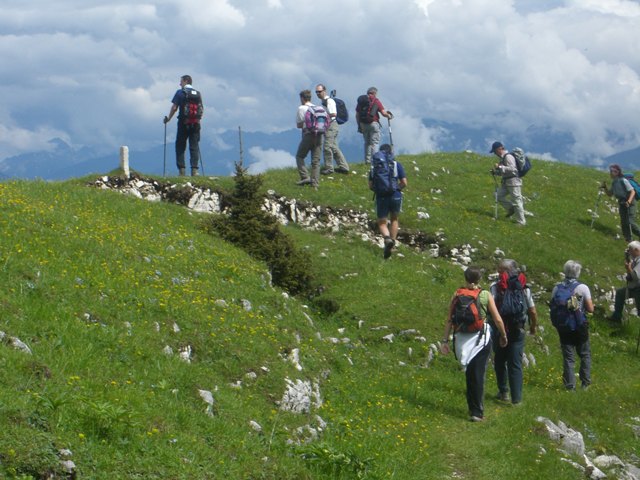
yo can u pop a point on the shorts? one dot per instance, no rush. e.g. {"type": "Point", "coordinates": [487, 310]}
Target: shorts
{"type": "Point", "coordinates": [386, 206]}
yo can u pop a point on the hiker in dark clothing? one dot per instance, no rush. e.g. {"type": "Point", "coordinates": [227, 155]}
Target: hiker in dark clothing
{"type": "Point", "coordinates": [624, 192]}
{"type": "Point", "coordinates": [188, 124]}
{"type": "Point", "coordinates": [632, 289]}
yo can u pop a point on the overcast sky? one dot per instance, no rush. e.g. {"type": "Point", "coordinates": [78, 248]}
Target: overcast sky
{"type": "Point", "coordinates": [102, 73]}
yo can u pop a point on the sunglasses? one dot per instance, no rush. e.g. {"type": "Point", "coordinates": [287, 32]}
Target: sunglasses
{"type": "Point", "coordinates": [319, 91]}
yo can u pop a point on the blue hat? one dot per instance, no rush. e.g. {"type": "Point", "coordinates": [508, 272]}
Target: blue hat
{"type": "Point", "coordinates": [495, 146]}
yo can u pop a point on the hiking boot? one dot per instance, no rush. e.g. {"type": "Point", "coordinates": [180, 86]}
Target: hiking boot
{"type": "Point", "coordinates": [306, 181]}
{"type": "Point", "coordinates": [326, 171]}
{"type": "Point", "coordinates": [344, 171]}
{"type": "Point", "coordinates": [388, 246]}
{"type": "Point", "coordinates": [473, 418]}
{"type": "Point", "coordinates": [503, 396]}
{"type": "Point", "coordinates": [181, 172]}
{"type": "Point", "coordinates": [194, 172]}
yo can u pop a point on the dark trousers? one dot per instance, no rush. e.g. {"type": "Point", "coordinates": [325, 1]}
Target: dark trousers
{"type": "Point", "coordinates": [476, 370]}
{"type": "Point", "coordinates": [621, 296]}
{"type": "Point", "coordinates": [628, 221]}
{"type": "Point", "coordinates": [190, 133]}
{"type": "Point", "coordinates": [508, 363]}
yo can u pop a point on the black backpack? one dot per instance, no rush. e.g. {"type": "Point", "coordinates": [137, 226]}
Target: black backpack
{"type": "Point", "coordinates": [191, 111]}
{"type": "Point", "coordinates": [512, 303]}
{"type": "Point", "coordinates": [367, 110]}
{"type": "Point", "coordinates": [342, 114]}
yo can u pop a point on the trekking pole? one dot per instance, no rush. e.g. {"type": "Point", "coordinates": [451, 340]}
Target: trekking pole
{"type": "Point", "coordinates": [164, 165]}
{"type": "Point", "coordinates": [201, 162]}
{"type": "Point", "coordinates": [495, 196]}
{"type": "Point", "coordinates": [390, 134]}
{"type": "Point", "coordinates": [594, 214]}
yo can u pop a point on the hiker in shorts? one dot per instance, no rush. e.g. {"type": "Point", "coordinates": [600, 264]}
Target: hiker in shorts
{"type": "Point", "coordinates": [507, 360]}
{"type": "Point", "coordinates": [188, 125]}
{"type": "Point", "coordinates": [510, 190]}
{"type": "Point", "coordinates": [368, 111]}
{"type": "Point", "coordinates": [310, 142]}
{"type": "Point", "coordinates": [624, 192]}
{"type": "Point", "coordinates": [388, 204]}
{"type": "Point", "coordinates": [632, 289]}
{"type": "Point", "coordinates": [575, 341]}
{"type": "Point", "coordinates": [472, 349]}
{"type": "Point", "coordinates": [331, 150]}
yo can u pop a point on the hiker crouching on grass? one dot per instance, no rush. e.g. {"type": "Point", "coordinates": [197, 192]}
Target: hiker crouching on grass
{"type": "Point", "coordinates": [510, 191]}
{"type": "Point", "coordinates": [624, 192]}
{"type": "Point", "coordinates": [471, 338]}
{"type": "Point", "coordinates": [632, 289]}
{"type": "Point", "coordinates": [515, 304]}
{"type": "Point", "coordinates": [387, 180]}
{"type": "Point", "coordinates": [570, 300]}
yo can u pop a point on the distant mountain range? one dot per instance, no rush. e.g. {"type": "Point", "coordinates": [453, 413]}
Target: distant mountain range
{"type": "Point", "coordinates": [63, 161]}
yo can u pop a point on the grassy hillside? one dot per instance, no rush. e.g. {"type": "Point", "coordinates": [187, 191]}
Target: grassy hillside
{"type": "Point", "coordinates": [107, 291]}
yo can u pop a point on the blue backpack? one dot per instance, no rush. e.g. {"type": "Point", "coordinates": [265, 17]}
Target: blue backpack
{"type": "Point", "coordinates": [523, 164]}
{"type": "Point", "coordinates": [342, 114]}
{"type": "Point", "coordinates": [384, 174]}
{"type": "Point", "coordinates": [564, 308]}
{"type": "Point", "coordinates": [634, 184]}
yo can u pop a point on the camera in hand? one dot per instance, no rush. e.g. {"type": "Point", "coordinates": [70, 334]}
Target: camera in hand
{"type": "Point", "coordinates": [627, 255]}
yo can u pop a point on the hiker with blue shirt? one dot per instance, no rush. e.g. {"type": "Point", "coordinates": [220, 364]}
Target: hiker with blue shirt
{"type": "Point", "coordinates": [507, 360]}
{"type": "Point", "coordinates": [570, 300]}
{"type": "Point", "coordinates": [387, 179]}
{"type": "Point", "coordinates": [624, 192]}
{"type": "Point", "coordinates": [473, 346]}
{"type": "Point", "coordinates": [510, 190]}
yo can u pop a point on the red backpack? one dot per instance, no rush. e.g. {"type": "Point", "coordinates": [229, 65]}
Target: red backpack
{"type": "Point", "coordinates": [466, 312]}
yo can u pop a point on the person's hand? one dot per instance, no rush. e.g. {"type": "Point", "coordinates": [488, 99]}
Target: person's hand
{"type": "Point", "coordinates": [503, 341]}
{"type": "Point", "coordinates": [444, 348]}
{"type": "Point", "coordinates": [389, 115]}
{"type": "Point", "coordinates": [165, 120]}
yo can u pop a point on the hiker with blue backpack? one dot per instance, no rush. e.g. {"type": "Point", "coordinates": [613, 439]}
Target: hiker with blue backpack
{"type": "Point", "coordinates": [515, 305]}
{"type": "Point", "coordinates": [466, 317]}
{"type": "Point", "coordinates": [632, 288]}
{"type": "Point", "coordinates": [570, 301]}
{"type": "Point", "coordinates": [368, 111]}
{"type": "Point", "coordinates": [314, 121]}
{"type": "Point", "coordinates": [331, 151]}
{"type": "Point", "coordinates": [509, 193]}
{"type": "Point", "coordinates": [623, 187]}
{"type": "Point", "coordinates": [387, 180]}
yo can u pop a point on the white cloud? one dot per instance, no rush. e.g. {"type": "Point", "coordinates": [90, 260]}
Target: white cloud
{"type": "Point", "coordinates": [269, 159]}
{"type": "Point", "coordinates": [103, 73]}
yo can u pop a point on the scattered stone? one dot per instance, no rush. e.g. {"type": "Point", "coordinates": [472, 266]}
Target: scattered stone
{"type": "Point", "coordinates": [300, 396]}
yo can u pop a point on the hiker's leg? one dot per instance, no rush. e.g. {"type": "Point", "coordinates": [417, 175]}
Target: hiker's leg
{"type": "Point", "coordinates": [621, 297]}
{"type": "Point", "coordinates": [316, 153]}
{"type": "Point", "coordinates": [502, 197]}
{"type": "Point", "coordinates": [624, 222]}
{"type": "Point", "coordinates": [383, 227]}
{"type": "Point", "coordinates": [517, 204]}
{"type": "Point", "coordinates": [514, 365]}
{"type": "Point", "coordinates": [395, 208]}
{"type": "Point", "coordinates": [584, 352]}
{"type": "Point", "coordinates": [632, 219]}
{"type": "Point", "coordinates": [338, 156]}
{"type": "Point", "coordinates": [303, 149]}
{"type": "Point", "coordinates": [181, 145]}
{"type": "Point", "coordinates": [500, 367]}
{"type": "Point", "coordinates": [375, 137]}
{"type": "Point", "coordinates": [193, 132]}
{"type": "Point", "coordinates": [329, 148]}
{"type": "Point", "coordinates": [475, 376]}
{"type": "Point", "coordinates": [568, 378]}
{"type": "Point", "coordinates": [366, 134]}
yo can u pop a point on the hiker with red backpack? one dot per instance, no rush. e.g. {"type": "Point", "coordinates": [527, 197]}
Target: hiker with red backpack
{"type": "Point", "coordinates": [570, 300]}
{"type": "Point", "coordinates": [368, 111]}
{"type": "Point", "coordinates": [471, 336]}
{"type": "Point", "coordinates": [314, 121]}
{"type": "Point", "coordinates": [187, 101]}
{"type": "Point", "coordinates": [625, 193]}
{"type": "Point", "coordinates": [515, 305]}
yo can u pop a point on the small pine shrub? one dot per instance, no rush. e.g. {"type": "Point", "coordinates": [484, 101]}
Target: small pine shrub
{"type": "Point", "coordinates": [259, 234]}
